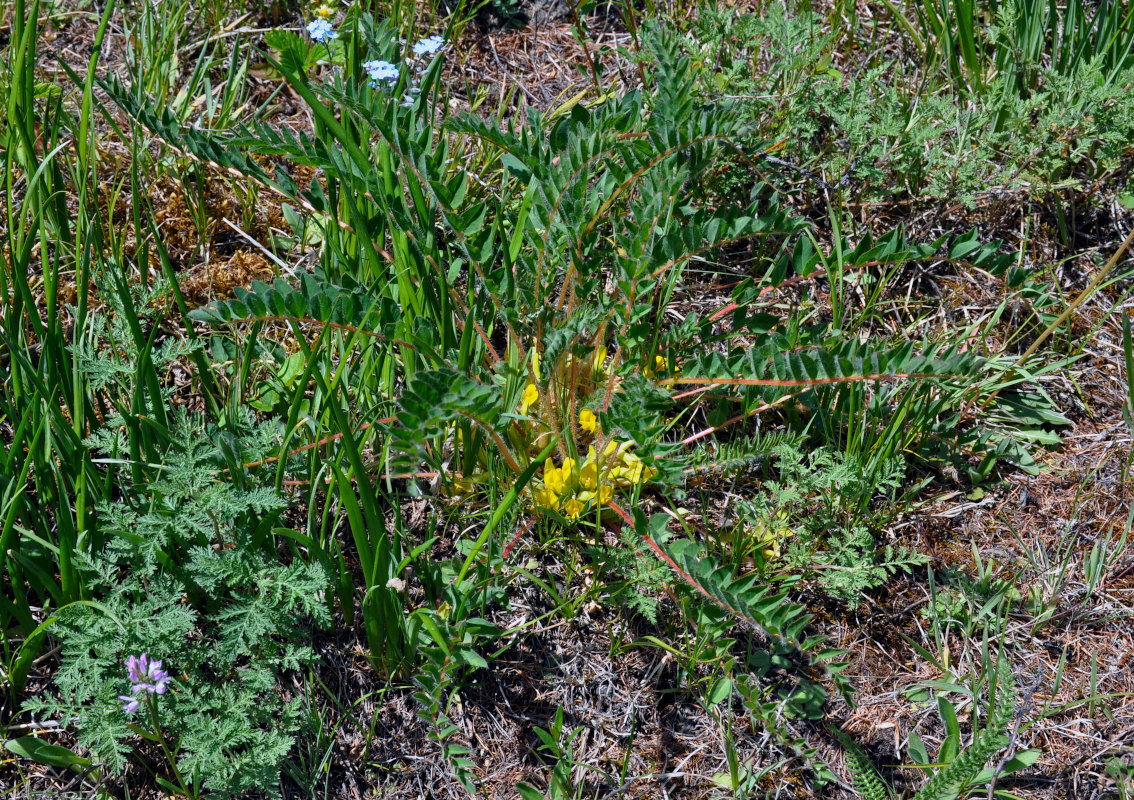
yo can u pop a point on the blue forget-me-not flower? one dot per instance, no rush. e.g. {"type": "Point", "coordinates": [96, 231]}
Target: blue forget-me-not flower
{"type": "Point", "coordinates": [429, 46]}
{"type": "Point", "coordinates": [381, 71]}
{"type": "Point", "coordinates": [320, 30]}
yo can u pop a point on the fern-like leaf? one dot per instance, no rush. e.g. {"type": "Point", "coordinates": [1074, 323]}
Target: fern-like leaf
{"type": "Point", "coordinates": [947, 781]}
{"type": "Point", "coordinates": [757, 606]}
{"type": "Point", "coordinates": [867, 781]}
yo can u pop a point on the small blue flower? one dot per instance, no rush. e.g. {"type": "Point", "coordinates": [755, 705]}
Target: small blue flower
{"type": "Point", "coordinates": [381, 71]}
{"type": "Point", "coordinates": [320, 30]}
{"type": "Point", "coordinates": [429, 46]}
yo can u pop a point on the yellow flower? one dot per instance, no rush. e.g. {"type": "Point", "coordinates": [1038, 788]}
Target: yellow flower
{"type": "Point", "coordinates": [531, 395]}
{"type": "Point", "coordinates": [573, 508]}
{"type": "Point", "coordinates": [567, 470]}
{"type": "Point", "coordinates": [324, 11]}
{"type": "Point", "coordinates": [599, 359]}
{"type": "Point", "coordinates": [545, 498]}
{"type": "Point", "coordinates": [635, 471]}
{"type": "Point", "coordinates": [605, 494]}
{"type": "Point", "coordinates": [458, 487]}
{"type": "Point", "coordinates": [620, 466]}
{"type": "Point", "coordinates": [552, 478]}
{"type": "Point", "coordinates": [633, 467]}
{"type": "Point", "coordinates": [588, 475]}
{"type": "Point", "coordinates": [535, 365]}
{"type": "Point", "coordinates": [769, 541]}
{"type": "Point", "coordinates": [587, 420]}
{"type": "Point", "coordinates": [660, 367]}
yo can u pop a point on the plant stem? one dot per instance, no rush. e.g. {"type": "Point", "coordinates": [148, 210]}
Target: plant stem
{"type": "Point", "coordinates": [152, 706]}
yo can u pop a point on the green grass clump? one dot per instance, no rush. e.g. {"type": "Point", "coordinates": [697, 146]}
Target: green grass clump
{"type": "Point", "coordinates": [897, 134]}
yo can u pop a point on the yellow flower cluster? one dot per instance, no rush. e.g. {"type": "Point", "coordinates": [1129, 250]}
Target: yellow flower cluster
{"type": "Point", "coordinates": [573, 487]}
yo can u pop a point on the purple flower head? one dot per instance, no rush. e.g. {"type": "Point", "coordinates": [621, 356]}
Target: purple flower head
{"type": "Point", "coordinates": [136, 668]}
{"type": "Point", "coordinates": [145, 675]}
{"type": "Point", "coordinates": [320, 30]}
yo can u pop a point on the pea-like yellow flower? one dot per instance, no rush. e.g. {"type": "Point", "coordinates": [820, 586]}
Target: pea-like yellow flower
{"type": "Point", "coordinates": [587, 420]}
{"type": "Point", "coordinates": [633, 467]}
{"type": "Point", "coordinates": [545, 498]}
{"type": "Point", "coordinates": [588, 474]}
{"type": "Point", "coordinates": [605, 494]}
{"type": "Point", "coordinates": [769, 540]}
{"type": "Point", "coordinates": [660, 367]}
{"type": "Point", "coordinates": [531, 396]}
{"type": "Point", "coordinates": [597, 363]}
{"type": "Point", "coordinates": [458, 487]}
{"type": "Point", "coordinates": [573, 508]}
{"type": "Point", "coordinates": [553, 478]}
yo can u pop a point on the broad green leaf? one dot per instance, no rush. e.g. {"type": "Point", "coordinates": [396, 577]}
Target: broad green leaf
{"type": "Point", "coordinates": [43, 753]}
